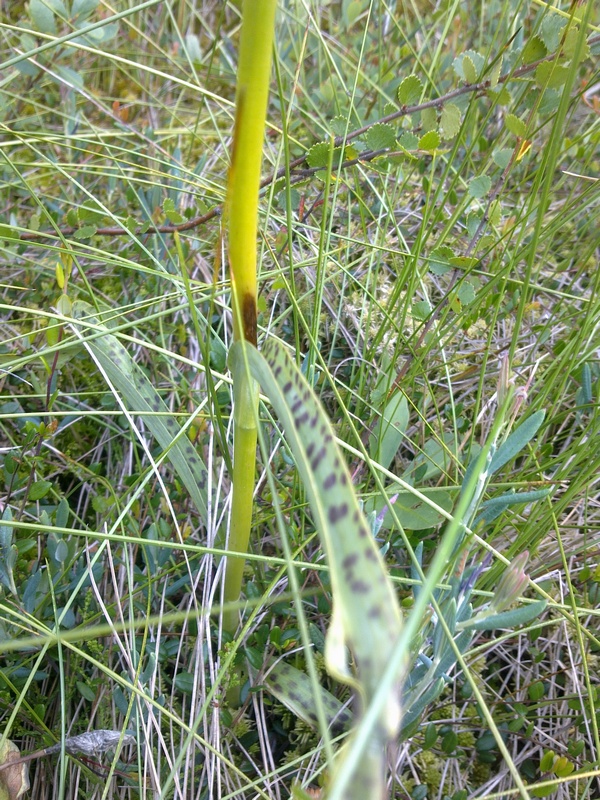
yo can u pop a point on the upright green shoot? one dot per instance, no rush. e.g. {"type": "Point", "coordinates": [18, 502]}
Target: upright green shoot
{"type": "Point", "coordinates": [254, 69]}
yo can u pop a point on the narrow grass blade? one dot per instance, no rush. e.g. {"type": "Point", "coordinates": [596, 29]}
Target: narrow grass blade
{"type": "Point", "coordinates": [139, 395]}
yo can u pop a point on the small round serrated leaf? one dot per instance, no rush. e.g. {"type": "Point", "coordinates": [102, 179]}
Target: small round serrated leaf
{"type": "Point", "coordinates": [450, 121]}
{"type": "Point", "coordinates": [410, 90]}
{"type": "Point", "coordinates": [463, 262]}
{"type": "Point", "coordinates": [408, 141]}
{"type": "Point", "coordinates": [480, 186]}
{"type": "Point", "coordinates": [515, 125]}
{"type": "Point", "coordinates": [466, 293]}
{"type": "Point", "coordinates": [430, 141]}
{"type": "Point", "coordinates": [469, 70]}
{"type": "Point", "coordinates": [502, 157]}
{"type": "Point", "coordinates": [338, 125]}
{"type": "Point", "coordinates": [551, 75]}
{"type": "Point", "coordinates": [495, 73]}
{"type": "Point", "coordinates": [439, 260]}
{"type": "Point", "coordinates": [171, 213]}
{"type": "Point", "coordinates": [380, 136]}
{"type": "Point", "coordinates": [551, 29]}
{"type": "Point", "coordinates": [318, 155]}
{"type": "Point", "coordinates": [429, 120]}
{"type": "Point", "coordinates": [85, 232]}
{"type": "Point", "coordinates": [534, 50]}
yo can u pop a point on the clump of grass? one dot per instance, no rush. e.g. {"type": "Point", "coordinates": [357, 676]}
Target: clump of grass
{"type": "Point", "coordinates": [398, 266]}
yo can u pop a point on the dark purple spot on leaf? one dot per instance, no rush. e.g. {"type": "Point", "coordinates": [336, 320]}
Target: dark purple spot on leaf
{"type": "Point", "coordinates": [330, 481]}
{"type": "Point", "coordinates": [318, 458]}
{"type": "Point", "coordinates": [336, 513]}
{"type": "Point", "coordinates": [350, 561]}
{"type": "Point", "coordinates": [360, 587]}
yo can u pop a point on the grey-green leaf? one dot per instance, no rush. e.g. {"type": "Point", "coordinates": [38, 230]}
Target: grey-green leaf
{"type": "Point", "coordinates": [510, 619]}
{"type": "Point", "coordinates": [491, 509]}
{"type": "Point", "coordinates": [389, 431]}
{"type": "Point", "coordinates": [8, 552]}
{"type": "Point", "coordinates": [517, 441]}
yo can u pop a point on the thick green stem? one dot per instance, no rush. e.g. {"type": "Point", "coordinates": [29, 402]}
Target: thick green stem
{"type": "Point", "coordinates": [254, 70]}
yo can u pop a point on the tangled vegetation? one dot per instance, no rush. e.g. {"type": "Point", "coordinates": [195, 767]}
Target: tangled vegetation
{"type": "Point", "coordinates": [428, 253]}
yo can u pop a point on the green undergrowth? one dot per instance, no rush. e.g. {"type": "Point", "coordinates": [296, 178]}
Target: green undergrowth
{"type": "Point", "coordinates": [428, 237]}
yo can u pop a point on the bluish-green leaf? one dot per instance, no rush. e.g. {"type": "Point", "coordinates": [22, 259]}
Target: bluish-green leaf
{"type": "Point", "coordinates": [469, 66]}
{"type": "Point", "coordinates": [42, 17]}
{"type": "Point", "coordinates": [480, 186]}
{"type": "Point", "coordinates": [491, 509]}
{"type": "Point", "coordinates": [517, 441]}
{"type": "Point", "coordinates": [8, 552]}
{"type": "Point", "coordinates": [389, 432]}
{"type": "Point", "coordinates": [510, 619]}
{"type": "Point", "coordinates": [83, 8]}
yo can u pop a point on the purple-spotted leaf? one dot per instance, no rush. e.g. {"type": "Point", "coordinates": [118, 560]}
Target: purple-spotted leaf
{"type": "Point", "coordinates": [295, 690]}
{"type": "Point", "coordinates": [366, 616]}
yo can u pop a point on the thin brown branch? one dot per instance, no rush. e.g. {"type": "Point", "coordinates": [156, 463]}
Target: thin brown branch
{"type": "Point", "coordinates": [295, 167]}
